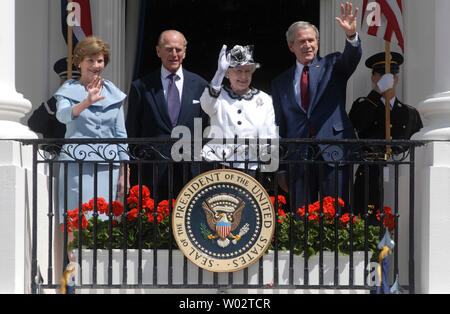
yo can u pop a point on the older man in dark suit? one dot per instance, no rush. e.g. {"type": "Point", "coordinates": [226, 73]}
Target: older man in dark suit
{"type": "Point", "coordinates": [166, 98]}
{"type": "Point", "coordinates": [309, 102]}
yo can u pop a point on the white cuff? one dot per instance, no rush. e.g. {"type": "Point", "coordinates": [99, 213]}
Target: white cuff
{"type": "Point", "coordinates": [354, 41]}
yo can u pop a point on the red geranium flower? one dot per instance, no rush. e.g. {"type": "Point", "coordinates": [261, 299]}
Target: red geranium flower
{"type": "Point", "coordinates": [133, 199]}
{"type": "Point", "coordinates": [159, 218]}
{"type": "Point", "coordinates": [73, 219]}
{"type": "Point", "coordinates": [388, 218]}
{"type": "Point", "coordinates": [134, 191]}
{"type": "Point", "coordinates": [281, 201]}
{"type": "Point", "coordinates": [86, 207]}
{"type": "Point", "coordinates": [132, 202]}
{"type": "Point", "coordinates": [102, 205]}
{"type": "Point", "coordinates": [328, 209]}
{"type": "Point", "coordinates": [132, 214]}
{"type": "Point", "coordinates": [148, 204]}
{"type": "Point", "coordinates": [163, 207]}
{"type": "Point", "coordinates": [345, 219]}
{"type": "Point", "coordinates": [117, 208]}
{"type": "Point", "coordinates": [281, 215]}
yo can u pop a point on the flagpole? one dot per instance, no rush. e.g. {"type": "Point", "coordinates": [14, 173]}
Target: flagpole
{"type": "Point", "coordinates": [388, 100]}
{"type": "Point", "coordinates": [69, 43]}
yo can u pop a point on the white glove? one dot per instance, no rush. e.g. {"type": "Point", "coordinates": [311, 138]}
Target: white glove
{"type": "Point", "coordinates": [222, 68]}
{"type": "Point", "coordinates": [386, 82]}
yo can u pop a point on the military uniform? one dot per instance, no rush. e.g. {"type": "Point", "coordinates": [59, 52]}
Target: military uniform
{"type": "Point", "coordinates": [369, 120]}
{"type": "Point", "coordinates": [43, 119]}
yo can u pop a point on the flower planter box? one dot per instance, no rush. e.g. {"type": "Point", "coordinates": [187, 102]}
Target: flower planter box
{"type": "Point", "coordinates": [314, 269]}
{"type": "Point", "coordinates": [207, 277]}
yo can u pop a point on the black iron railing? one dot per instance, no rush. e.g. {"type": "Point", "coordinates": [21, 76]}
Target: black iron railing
{"type": "Point", "coordinates": [303, 232]}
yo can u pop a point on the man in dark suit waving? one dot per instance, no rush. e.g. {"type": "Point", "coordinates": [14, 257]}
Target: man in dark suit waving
{"type": "Point", "coordinates": [158, 102]}
{"type": "Point", "coordinates": [309, 102]}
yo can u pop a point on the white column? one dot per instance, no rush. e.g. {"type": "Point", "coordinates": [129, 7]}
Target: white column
{"type": "Point", "coordinates": [15, 165]}
{"type": "Point", "coordinates": [13, 106]}
{"type": "Point", "coordinates": [428, 84]}
{"type": "Point", "coordinates": [108, 23]}
{"type": "Point", "coordinates": [429, 76]}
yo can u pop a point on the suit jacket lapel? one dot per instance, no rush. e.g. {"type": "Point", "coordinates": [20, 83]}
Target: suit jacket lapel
{"type": "Point", "coordinates": [315, 70]}
{"type": "Point", "coordinates": [160, 101]}
{"type": "Point", "coordinates": [290, 89]}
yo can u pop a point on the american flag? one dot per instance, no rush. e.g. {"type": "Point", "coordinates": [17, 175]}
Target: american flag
{"type": "Point", "coordinates": [384, 19]}
{"type": "Point", "coordinates": [80, 18]}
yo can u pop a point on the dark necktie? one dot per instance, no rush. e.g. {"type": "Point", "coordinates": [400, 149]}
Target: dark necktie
{"type": "Point", "coordinates": [304, 93]}
{"type": "Point", "coordinates": [173, 99]}
{"type": "Point", "coordinates": [304, 88]}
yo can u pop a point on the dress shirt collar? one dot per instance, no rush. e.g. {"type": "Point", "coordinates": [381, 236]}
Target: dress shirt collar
{"type": "Point", "coordinates": [299, 68]}
{"type": "Point", "coordinates": [165, 72]}
{"type": "Point", "coordinates": [393, 100]}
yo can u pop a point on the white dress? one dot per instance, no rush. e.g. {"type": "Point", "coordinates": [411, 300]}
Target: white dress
{"type": "Point", "coordinates": [236, 118]}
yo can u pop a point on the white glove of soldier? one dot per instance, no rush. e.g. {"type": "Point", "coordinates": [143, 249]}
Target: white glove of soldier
{"type": "Point", "coordinates": [222, 68]}
{"type": "Point", "coordinates": [386, 82]}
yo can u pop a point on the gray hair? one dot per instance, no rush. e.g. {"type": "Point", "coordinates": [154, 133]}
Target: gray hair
{"type": "Point", "coordinates": [300, 25]}
{"type": "Point", "coordinates": [161, 40]}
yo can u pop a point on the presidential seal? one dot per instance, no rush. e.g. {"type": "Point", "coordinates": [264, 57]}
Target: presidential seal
{"type": "Point", "coordinates": [223, 220]}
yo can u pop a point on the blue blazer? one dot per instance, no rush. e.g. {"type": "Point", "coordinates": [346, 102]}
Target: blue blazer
{"type": "Point", "coordinates": [102, 120]}
{"type": "Point", "coordinates": [326, 114]}
{"type": "Point", "coordinates": [148, 117]}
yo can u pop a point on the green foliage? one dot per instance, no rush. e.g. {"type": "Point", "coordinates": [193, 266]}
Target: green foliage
{"type": "Point", "coordinates": [298, 235]}
{"type": "Point", "coordinates": [136, 233]}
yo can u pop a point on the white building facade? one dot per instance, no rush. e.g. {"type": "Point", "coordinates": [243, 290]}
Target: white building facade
{"type": "Point", "coordinates": [31, 38]}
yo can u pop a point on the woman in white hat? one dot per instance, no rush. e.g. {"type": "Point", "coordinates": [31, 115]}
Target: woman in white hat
{"type": "Point", "coordinates": [237, 111]}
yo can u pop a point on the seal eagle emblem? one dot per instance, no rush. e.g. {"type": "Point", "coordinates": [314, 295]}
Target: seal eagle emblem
{"type": "Point", "coordinates": [223, 214]}
{"type": "Point", "coordinates": [223, 220]}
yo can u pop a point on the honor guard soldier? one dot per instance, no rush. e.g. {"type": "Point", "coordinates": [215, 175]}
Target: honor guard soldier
{"type": "Point", "coordinates": [368, 116]}
{"type": "Point", "coordinates": [43, 119]}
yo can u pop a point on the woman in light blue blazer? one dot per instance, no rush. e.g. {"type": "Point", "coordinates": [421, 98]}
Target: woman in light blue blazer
{"type": "Point", "coordinates": [91, 107]}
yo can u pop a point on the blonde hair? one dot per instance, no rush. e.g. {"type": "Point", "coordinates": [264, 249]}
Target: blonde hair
{"type": "Point", "coordinates": [90, 46]}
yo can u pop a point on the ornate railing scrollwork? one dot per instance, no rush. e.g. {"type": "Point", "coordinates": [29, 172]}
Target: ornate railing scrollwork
{"type": "Point", "coordinates": [299, 150]}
